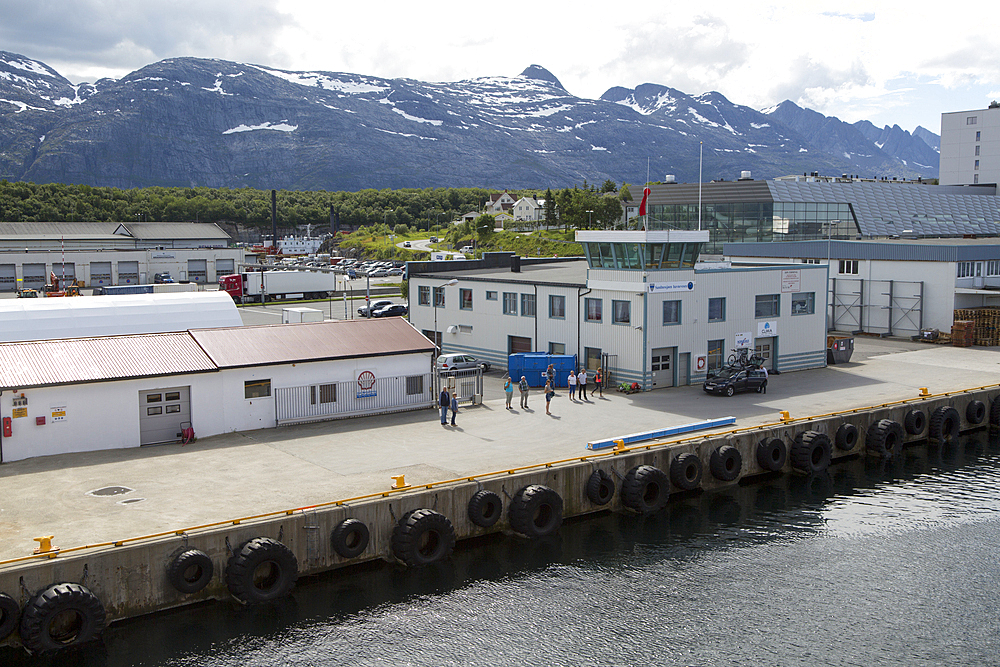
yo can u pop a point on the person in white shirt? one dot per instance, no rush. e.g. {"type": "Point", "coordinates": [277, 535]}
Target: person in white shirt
{"type": "Point", "coordinates": [581, 379]}
{"type": "Point", "coordinates": [571, 381]}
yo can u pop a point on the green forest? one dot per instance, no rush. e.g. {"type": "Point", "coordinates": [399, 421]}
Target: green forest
{"type": "Point", "coordinates": [578, 207]}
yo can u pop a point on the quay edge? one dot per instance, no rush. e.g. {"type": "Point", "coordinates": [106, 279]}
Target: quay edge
{"type": "Point", "coordinates": [131, 580]}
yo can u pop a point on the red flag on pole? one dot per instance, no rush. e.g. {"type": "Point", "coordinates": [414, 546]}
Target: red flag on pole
{"type": "Point", "coordinates": [642, 206]}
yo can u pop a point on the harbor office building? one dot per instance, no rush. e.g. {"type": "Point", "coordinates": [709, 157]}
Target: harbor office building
{"type": "Point", "coordinates": [112, 392]}
{"type": "Point", "coordinates": [98, 254]}
{"type": "Point", "coordinates": [637, 306]}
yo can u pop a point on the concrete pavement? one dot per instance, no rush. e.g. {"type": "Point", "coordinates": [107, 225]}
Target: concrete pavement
{"type": "Point", "coordinates": [240, 474]}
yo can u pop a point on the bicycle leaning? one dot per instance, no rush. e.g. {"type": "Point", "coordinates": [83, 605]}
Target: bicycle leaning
{"type": "Point", "coordinates": [742, 357]}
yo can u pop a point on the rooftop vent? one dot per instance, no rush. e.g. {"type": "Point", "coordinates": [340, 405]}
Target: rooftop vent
{"type": "Point", "coordinates": [670, 178]}
{"type": "Point", "coordinates": [745, 175]}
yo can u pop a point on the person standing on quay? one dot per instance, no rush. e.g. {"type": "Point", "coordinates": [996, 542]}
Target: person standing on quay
{"type": "Point", "coordinates": [454, 408]}
{"type": "Point", "coordinates": [581, 379]}
{"type": "Point", "coordinates": [549, 393]}
{"type": "Point", "coordinates": [444, 401]}
{"type": "Point", "coordinates": [598, 382]}
{"type": "Point", "coordinates": [550, 373]}
{"type": "Point", "coordinates": [523, 386]}
{"type": "Point", "coordinates": [571, 381]}
{"type": "Point", "coordinates": [508, 389]}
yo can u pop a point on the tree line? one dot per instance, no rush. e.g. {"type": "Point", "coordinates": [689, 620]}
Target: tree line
{"type": "Point", "coordinates": [578, 207]}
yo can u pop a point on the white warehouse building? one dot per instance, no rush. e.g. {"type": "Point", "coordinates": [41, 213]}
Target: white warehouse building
{"type": "Point", "coordinates": [636, 307]}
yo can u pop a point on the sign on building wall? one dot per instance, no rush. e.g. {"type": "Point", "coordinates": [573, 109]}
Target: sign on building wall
{"type": "Point", "coordinates": [767, 328]}
{"type": "Point", "coordinates": [366, 384]}
{"type": "Point", "coordinates": [59, 413]}
{"type": "Point", "coordinates": [701, 363]}
{"type": "Point", "coordinates": [743, 340]}
{"type": "Point", "coordinates": [679, 286]}
{"type": "Point", "coordinates": [791, 280]}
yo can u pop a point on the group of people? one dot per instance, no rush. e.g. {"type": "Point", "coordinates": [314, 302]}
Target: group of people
{"type": "Point", "coordinates": [448, 401]}
{"type": "Point", "coordinates": [579, 381]}
{"type": "Point", "coordinates": [508, 388]}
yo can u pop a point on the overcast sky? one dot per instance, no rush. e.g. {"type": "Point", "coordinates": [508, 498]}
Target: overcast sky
{"type": "Point", "coordinates": [902, 63]}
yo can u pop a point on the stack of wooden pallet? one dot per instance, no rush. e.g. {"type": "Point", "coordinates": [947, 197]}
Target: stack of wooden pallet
{"type": "Point", "coordinates": [987, 324]}
{"type": "Point", "coordinates": [963, 333]}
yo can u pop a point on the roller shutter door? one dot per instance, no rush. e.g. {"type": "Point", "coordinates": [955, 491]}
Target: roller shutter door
{"type": "Point", "coordinates": [100, 274]}
{"type": "Point", "coordinates": [128, 273]}
{"type": "Point", "coordinates": [8, 278]}
{"type": "Point", "coordinates": [197, 270]}
{"type": "Point", "coordinates": [34, 276]}
{"type": "Point", "coordinates": [162, 412]}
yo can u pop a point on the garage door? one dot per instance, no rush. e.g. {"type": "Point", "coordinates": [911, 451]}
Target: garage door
{"type": "Point", "coordinates": [100, 274]}
{"type": "Point", "coordinates": [8, 279]}
{"type": "Point", "coordinates": [67, 271]}
{"type": "Point", "coordinates": [128, 273]}
{"type": "Point", "coordinates": [34, 276]}
{"type": "Point", "coordinates": [197, 270]}
{"type": "Point", "coordinates": [162, 413]}
{"type": "Point", "coordinates": [224, 267]}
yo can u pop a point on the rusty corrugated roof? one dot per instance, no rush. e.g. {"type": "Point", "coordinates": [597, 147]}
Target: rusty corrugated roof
{"type": "Point", "coordinates": [311, 341]}
{"type": "Point", "coordinates": [77, 360]}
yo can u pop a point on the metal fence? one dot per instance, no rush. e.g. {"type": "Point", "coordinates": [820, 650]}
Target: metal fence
{"type": "Point", "coordinates": [332, 400]}
{"type": "Point", "coordinates": [467, 383]}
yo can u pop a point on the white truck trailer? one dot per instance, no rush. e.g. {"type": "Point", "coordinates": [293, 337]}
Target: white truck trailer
{"type": "Point", "coordinates": [278, 285]}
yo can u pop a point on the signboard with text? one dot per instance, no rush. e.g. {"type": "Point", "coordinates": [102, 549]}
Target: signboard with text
{"type": "Point", "coordinates": [791, 280]}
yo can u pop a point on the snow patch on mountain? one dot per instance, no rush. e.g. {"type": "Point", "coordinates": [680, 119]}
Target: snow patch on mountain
{"type": "Point", "coordinates": [281, 126]}
{"type": "Point", "coordinates": [350, 85]}
{"type": "Point", "coordinates": [416, 119]}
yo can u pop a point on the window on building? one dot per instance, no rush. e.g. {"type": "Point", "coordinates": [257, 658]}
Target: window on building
{"type": "Point", "coordinates": [977, 164]}
{"type": "Point", "coordinates": [977, 151]}
{"type": "Point", "coordinates": [510, 303]}
{"type": "Point", "coordinates": [715, 356]}
{"type": "Point", "coordinates": [978, 135]}
{"type": "Point", "coordinates": [256, 388]}
{"type": "Point", "coordinates": [621, 312]}
{"type": "Point", "coordinates": [557, 306]}
{"type": "Point", "coordinates": [767, 305]}
{"type": "Point", "coordinates": [414, 385]}
{"type": "Point", "coordinates": [965, 269]}
{"type": "Point", "coordinates": [327, 394]}
{"type": "Point", "coordinates": [424, 295]}
{"type": "Point", "coordinates": [803, 303]}
{"type": "Point", "coordinates": [971, 120]}
{"type": "Point", "coordinates": [849, 267]}
{"type": "Point", "coordinates": [811, 261]}
{"type": "Point", "coordinates": [594, 309]}
{"type": "Point", "coordinates": [717, 309]}
{"type": "Point", "coordinates": [528, 305]}
{"type": "Point", "coordinates": [439, 297]}
{"type": "Point", "coordinates": [993, 267]}
{"type": "Point", "coordinates": [671, 312]}
{"type": "Point", "coordinates": [975, 178]}
{"type": "Point", "coordinates": [557, 348]}
{"type": "Point", "coordinates": [491, 296]}
{"type": "Point", "coordinates": [465, 299]}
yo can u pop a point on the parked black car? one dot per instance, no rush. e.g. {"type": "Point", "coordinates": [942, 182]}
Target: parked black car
{"type": "Point", "coordinates": [392, 310]}
{"type": "Point", "coordinates": [366, 311]}
{"type": "Point", "coordinates": [733, 379]}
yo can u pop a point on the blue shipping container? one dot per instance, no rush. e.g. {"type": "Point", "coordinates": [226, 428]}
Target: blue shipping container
{"type": "Point", "coordinates": [532, 365]}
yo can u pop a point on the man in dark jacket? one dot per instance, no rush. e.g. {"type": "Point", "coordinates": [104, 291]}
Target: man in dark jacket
{"type": "Point", "coordinates": [444, 401]}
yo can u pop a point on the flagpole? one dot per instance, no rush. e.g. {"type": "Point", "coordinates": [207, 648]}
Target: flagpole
{"type": "Point", "coordinates": [701, 153]}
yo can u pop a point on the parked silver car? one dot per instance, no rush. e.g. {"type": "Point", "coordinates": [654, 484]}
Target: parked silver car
{"type": "Point", "coordinates": [458, 362]}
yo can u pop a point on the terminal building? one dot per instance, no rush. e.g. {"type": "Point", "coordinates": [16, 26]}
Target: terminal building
{"type": "Point", "coordinates": [638, 306]}
{"type": "Point", "coordinates": [98, 254]}
{"type": "Point", "coordinates": [970, 147]}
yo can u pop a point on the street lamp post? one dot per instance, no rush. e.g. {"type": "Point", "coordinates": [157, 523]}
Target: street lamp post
{"type": "Point", "coordinates": [590, 219]}
{"type": "Point", "coordinates": [437, 337]}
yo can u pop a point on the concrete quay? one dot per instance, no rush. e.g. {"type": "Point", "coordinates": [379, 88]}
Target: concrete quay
{"type": "Point", "coordinates": [226, 477]}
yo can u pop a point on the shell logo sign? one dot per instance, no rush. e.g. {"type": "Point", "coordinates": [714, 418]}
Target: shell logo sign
{"type": "Point", "coordinates": [366, 384]}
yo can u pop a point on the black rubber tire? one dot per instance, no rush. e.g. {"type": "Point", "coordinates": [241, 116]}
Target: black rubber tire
{"type": "Point", "coordinates": [485, 508]}
{"type": "Point", "coordinates": [726, 463]}
{"type": "Point", "coordinates": [9, 613]}
{"type": "Point", "coordinates": [730, 390]}
{"type": "Point", "coordinates": [262, 570]}
{"type": "Point", "coordinates": [685, 471]}
{"type": "Point", "coordinates": [772, 454]}
{"type": "Point", "coordinates": [600, 488]}
{"type": "Point", "coordinates": [645, 489]}
{"type": "Point", "coordinates": [944, 424]}
{"type": "Point", "coordinates": [846, 438]}
{"type": "Point", "coordinates": [995, 412]}
{"type": "Point", "coordinates": [915, 422]}
{"type": "Point", "coordinates": [811, 452]}
{"type": "Point", "coordinates": [421, 537]}
{"type": "Point", "coordinates": [190, 571]}
{"type": "Point", "coordinates": [350, 538]}
{"type": "Point", "coordinates": [975, 412]}
{"type": "Point", "coordinates": [885, 439]}
{"type": "Point", "coordinates": [535, 511]}
{"type": "Point", "coordinates": [62, 616]}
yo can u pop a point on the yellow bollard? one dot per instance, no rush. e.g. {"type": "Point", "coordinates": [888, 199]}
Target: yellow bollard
{"type": "Point", "coordinates": [400, 482]}
{"type": "Point", "coordinates": [784, 416]}
{"type": "Point", "coordinates": [44, 544]}
{"type": "Point", "coordinates": [924, 392]}
{"type": "Point", "coordinates": [619, 445]}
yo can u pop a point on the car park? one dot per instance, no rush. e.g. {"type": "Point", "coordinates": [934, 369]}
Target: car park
{"type": "Point", "coordinates": [456, 362]}
{"type": "Point", "coordinates": [392, 310]}
{"type": "Point", "coordinates": [733, 379]}
{"type": "Point", "coordinates": [366, 311]}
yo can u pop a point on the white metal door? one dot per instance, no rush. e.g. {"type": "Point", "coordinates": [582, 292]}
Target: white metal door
{"type": "Point", "coordinates": [766, 348]}
{"type": "Point", "coordinates": [661, 367]}
{"type": "Point", "coordinates": [162, 413]}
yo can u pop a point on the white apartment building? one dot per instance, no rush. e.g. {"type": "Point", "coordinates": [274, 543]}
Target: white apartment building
{"type": "Point", "coordinates": [970, 147]}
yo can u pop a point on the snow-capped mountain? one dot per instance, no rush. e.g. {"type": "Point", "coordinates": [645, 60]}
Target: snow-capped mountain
{"type": "Point", "coordinates": [198, 122]}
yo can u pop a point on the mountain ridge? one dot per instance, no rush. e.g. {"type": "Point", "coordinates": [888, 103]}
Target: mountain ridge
{"type": "Point", "coordinates": [216, 123]}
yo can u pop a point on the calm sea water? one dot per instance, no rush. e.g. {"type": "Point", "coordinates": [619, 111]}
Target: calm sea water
{"type": "Point", "coordinates": [871, 564]}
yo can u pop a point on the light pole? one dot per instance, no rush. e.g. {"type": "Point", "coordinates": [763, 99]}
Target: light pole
{"type": "Point", "coordinates": [590, 219]}
{"type": "Point", "coordinates": [437, 337]}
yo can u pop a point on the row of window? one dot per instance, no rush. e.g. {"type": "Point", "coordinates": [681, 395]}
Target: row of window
{"type": "Point", "coordinates": [318, 394]}
{"type": "Point", "coordinates": [975, 269]}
